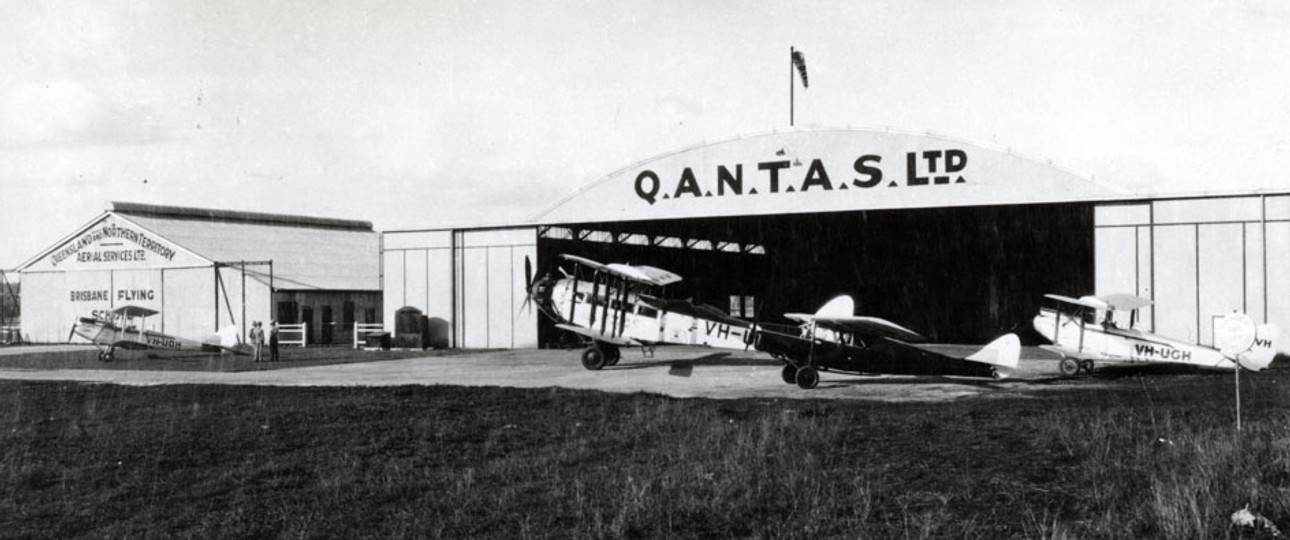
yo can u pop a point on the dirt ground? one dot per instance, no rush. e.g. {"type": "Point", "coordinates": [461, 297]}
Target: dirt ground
{"type": "Point", "coordinates": [672, 371]}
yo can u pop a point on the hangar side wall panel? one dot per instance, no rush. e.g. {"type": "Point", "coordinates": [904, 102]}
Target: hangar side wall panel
{"type": "Point", "coordinates": [1255, 284]}
{"type": "Point", "coordinates": [395, 295]}
{"type": "Point", "coordinates": [419, 278]}
{"type": "Point", "coordinates": [501, 293]}
{"type": "Point", "coordinates": [1221, 274]}
{"type": "Point", "coordinates": [1175, 256]}
{"type": "Point", "coordinates": [474, 329]}
{"type": "Point", "coordinates": [492, 278]}
{"type": "Point", "coordinates": [1145, 283]}
{"type": "Point", "coordinates": [1278, 291]}
{"type": "Point", "coordinates": [416, 279]}
{"type": "Point", "coordinates": [1117, 250]}
{"type": "Point", "coordinates": [439, 285]}
{"type": "Point", "coordinates": [417, 240]}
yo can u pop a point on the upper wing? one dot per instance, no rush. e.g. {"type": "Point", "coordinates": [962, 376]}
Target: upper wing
{"type": "Point", "coordinates": [135, 311]}
{"type": "Point", "coordinates": [643, 274]}
{"type": "Point", "coordinates": [862, 326]}
{"type": "Point", "coordinates": [1087, 301]}
{"type": "Point", "coordinates": [1125, 302]}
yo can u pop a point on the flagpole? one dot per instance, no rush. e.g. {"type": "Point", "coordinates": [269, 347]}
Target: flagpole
{"type": "Point", "coordinates": [790, 86]}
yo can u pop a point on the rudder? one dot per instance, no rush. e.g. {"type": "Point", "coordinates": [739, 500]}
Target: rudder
{"type": "Point", "coordinates": [1004, 351]}
{"type": "Point", "coordinates": [1260, 355]}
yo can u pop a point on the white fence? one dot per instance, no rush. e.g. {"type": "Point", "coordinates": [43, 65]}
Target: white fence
{"type": "Point", "coordinates": [361, 330]}
{"type": "Point", "coordinates": [299, 331]}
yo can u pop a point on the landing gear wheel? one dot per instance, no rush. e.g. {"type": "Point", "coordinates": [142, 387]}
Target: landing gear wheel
{"type": "Point", "coordinates": [789, 374]}
{"type": "Point", "coordinates": [1086, 366]}
{"type": "Point", "coordinates": [612, 355]}
{"type": "Point", "coordinates": [994, 374]}
{"type": "Point", "coordinates": [106, 356]}
{"type": "Point", "coordinates": [593, 358]}
{"type": "Point", "coordinates": [807, 378]}
{"type": "Point", "coordinates": [1069, 367]}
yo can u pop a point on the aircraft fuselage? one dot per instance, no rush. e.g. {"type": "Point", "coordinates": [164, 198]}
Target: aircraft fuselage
{"type": "Point", "coordinates": [1119, 345]}
{"type": "Point", "coordinates": [619, 313]}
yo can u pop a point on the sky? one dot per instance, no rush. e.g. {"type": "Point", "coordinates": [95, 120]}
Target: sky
{"type": "Point", "coordinates": [416, 114]}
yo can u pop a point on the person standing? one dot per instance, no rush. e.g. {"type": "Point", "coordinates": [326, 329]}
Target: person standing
{"type": "Point", "coordinates": [257, 341]}
{"type": "Point", "coordinates": [273, 341]}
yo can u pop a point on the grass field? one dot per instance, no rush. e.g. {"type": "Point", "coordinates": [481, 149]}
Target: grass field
{"type": "Point", "coordinates": [1143, 458]}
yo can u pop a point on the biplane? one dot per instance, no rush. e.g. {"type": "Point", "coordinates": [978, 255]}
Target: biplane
{"type": "Point", "coordinates": [612, 306]}
{"type": "Point", "coordinates": [123, 328]}
{"type": "Point", "coordinates": [1086, 331]}
{"type": "Point", "coordinates": [835, 339]}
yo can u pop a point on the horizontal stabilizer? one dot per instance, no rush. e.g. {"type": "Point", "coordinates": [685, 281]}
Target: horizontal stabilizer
{"type": "Point", "coordinates": [228, 338]}
{"type": "Point", "coordinates": [1004, 351]}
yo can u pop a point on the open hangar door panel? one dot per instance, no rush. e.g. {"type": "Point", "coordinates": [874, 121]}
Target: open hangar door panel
{"type": "Point", "coordinates": [953, 274]}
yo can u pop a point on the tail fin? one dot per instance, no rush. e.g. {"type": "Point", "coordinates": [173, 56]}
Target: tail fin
{"type": "Point", "coordinates": [1260, 355]}
{"type": "Point", "coordinates": [1004, 351]}
{"type": "Point", "coordinates": [1252, 346]}
{"type": "Point", "coordinates": [842, 306]}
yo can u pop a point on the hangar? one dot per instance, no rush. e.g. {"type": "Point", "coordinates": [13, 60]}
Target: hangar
{"type": "Point", "coordinates": [203, 270]}
{"type": "Point", "coordinates": [957, 240]}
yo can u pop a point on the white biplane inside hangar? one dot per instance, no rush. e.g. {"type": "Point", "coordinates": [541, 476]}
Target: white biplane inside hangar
{"type": "Point", "coordinates": [1085, 332]}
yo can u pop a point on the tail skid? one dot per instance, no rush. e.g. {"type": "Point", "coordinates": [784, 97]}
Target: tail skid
{"type": "Point", "coordinates": [1003, 352]}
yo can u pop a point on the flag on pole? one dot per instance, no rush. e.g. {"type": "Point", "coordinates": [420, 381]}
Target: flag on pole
{"type": "Point", "coordinates": [799, 61]}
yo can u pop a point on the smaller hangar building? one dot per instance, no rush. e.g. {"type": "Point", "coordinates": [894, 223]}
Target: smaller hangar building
{"type": "Point", "coordinates": [204, 269]}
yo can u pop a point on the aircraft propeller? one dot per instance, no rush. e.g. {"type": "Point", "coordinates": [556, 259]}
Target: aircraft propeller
{"type": "Point", "coordinates": [71, 333]}
{"type": "Point", "coordinates": [528, 287]}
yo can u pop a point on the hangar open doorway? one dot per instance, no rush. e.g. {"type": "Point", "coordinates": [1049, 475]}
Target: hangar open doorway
{"type": "Point", "coordinates": [962, 274]}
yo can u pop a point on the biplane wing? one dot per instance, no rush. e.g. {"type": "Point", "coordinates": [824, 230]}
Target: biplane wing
{"type": "Point", "coordinates": [134, 311]}
{"type": "Point", "coordinates": [1091, 302]}
{"type": "Point", "coordinates": [599, 337]}
{"type": "Point", "coordinates": [838, 315]}
{"type": "Point", "coordinates": [1125, 302]}
{"type": "Point", "coordinates": [1078, 355]}
{"type": "Point", "coordinates": [870, 327]}
{"type": "Point", "coordinates": [639, 273]}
